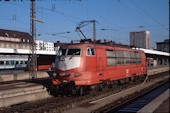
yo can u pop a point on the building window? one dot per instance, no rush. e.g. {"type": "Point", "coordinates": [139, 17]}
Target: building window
{"type": "Point", "coordinates": [23, 40]}
{"type": "Point", "coordinates": [2, 45]}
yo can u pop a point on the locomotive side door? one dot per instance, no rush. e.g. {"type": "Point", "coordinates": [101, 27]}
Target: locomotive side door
{"type": "Point", "coordinates": [100, 62]}
{"type": "Point", "coordinates": [100, 65]}
{"type": "Point", "coordinates": [91, 59]}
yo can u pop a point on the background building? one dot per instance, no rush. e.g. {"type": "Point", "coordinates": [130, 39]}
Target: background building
{"type": "Point", "coordinates": [15, 39]}
{"type": "Point", "coordinates": [42, 45]}
{"type": "Point", "coordinates": [163, 46]}
{"type": "Point", "coordinates": [140, 39]}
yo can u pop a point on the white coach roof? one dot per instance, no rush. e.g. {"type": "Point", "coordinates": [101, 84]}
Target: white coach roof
{"type": "Point", "coordinates": [149, 51]}
{"type": "Point", "coordinates": [26, 51]}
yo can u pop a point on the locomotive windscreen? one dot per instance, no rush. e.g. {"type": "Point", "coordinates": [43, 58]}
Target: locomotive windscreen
{"type": "Point", "coordinates": [75, 51]}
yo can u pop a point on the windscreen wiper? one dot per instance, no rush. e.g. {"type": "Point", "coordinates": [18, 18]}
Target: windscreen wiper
{"type": "Point", "coordinates": [73, 54]}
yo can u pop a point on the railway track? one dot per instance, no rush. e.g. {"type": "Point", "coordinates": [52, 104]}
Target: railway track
{"type": "Point", "coordinates": [59, 104]}
{"type": "Point", "coordinates": [136, 102]}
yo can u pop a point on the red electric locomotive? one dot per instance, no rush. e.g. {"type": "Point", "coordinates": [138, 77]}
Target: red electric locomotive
{"type": "Point", "coordinates": [89, 66]}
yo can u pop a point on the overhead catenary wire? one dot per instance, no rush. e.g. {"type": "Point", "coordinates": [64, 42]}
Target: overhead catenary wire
{"type": "Point", "coordinates": [149, 15]}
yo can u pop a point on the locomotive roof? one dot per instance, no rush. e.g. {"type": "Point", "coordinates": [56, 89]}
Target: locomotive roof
{"type": "Point", "coordinates": [102, 45]}
{"type": "Point", "coordinates": [96, 43]}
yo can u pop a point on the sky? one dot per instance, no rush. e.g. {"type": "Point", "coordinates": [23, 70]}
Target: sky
{"type": "Point", "coordinates": [115, 19]}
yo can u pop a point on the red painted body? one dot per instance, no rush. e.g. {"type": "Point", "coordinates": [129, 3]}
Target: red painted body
{"type": "Point", "coordinates": [94, 69]}
{"type": "Point", "coordinates": [43, 67]}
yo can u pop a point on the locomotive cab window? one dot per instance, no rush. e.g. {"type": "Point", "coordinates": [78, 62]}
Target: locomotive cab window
{"type": "Point", "coordinates": [90, 52]}
{"type": "Point", "coordinates": [73, 52]}
{"type": "Point", "coordinates": [61, 52]}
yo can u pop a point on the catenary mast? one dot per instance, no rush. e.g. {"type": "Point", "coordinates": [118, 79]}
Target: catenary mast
{"type": "Point", "coordinates": [33, 57]}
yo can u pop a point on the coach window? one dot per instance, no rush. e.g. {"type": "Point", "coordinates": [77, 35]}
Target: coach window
{"type": "Point", "coordinates": [21, 62]}
{"type": "Point", "coordinates": [7, 62]}
{"type": "Point", "coordinates": [90, 52]}
{"type": "Point", "coordinates": [12, 62]}
{"type": "Point", "coordinates": [26, 62]}
{"type": "Point", "coordinates": [17, 62]}
{"type": "Point", "coordinates": [1, 62]}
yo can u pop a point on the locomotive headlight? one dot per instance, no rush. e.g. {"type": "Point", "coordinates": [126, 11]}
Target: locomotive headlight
{"type": "Point", "coordinates": [76, 74]}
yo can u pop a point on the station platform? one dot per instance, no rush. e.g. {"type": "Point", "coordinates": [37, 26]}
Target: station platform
{"type": "Point", "coordinates": [21, 92]}
{"type": "Point", "coordinates": [156, 70]}
{"type": "Point", "coordinates": [164, 107]}
{"type": "Point", "coordinates": [24, 75]}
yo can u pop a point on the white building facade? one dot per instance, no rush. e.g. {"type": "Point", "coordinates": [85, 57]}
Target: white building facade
{"type": "Point", "coordinates": [46, 46]}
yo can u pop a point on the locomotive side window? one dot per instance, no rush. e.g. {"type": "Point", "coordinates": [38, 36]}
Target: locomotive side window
{"type": "Point", "coordinates": [90, 52]}
{"type": "Point", "coordinates": [126, 57]}
{"type": "Point", "coordinates": [111, 57]}
{"type": "Point", "coordinates": [133, 58]}
{"type": "Point", "coordinates": [119, 57]}
{"type": "Point", "coordinates": [138, 58]}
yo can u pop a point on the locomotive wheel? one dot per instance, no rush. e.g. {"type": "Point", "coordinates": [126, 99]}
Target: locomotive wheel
{"type": "Point", "coordinates": [110, 84]}
{"type": "Point", "coordinates": [100, 87]}
{"type": "Point", "coordinates": [136, 78]}
{"type": "Point", "coordinates": [132, 79]}
{"type": "Point", "coordinates": [121, 81]}
{"type": "Point", "coordinates": [127, 80]}
{"type": "Point", "coordinates": [53, 90]}
{"type": "Point", "coordinates": [81, 91]}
